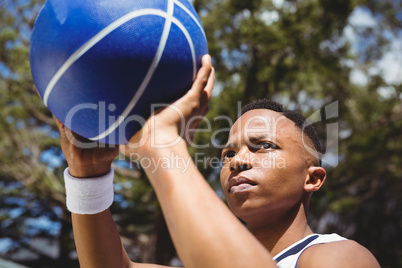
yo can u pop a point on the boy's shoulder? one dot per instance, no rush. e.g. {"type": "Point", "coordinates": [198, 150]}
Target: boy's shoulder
{"type": "Point", "coordinates": [341, 253]}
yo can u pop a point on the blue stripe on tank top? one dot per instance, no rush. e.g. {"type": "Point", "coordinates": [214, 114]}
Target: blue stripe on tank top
{"type": "Point", "coordinates": [297, 248]}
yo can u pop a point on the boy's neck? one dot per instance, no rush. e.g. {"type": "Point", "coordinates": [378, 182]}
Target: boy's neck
{"type": "Point", "coordinates": [280, 234]}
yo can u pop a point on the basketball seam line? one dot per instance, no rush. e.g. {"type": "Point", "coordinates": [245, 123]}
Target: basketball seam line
{"type": "Point", "coordinates": [136, 97]}
{"type": "Point", "coordinates": [103, 33]}
{"type": "Point", "coordinates": [147, 78]}
{"type": "Point", "coordinates": [191, 15]}
{"type": "Point", "coordinates": [87, 45]}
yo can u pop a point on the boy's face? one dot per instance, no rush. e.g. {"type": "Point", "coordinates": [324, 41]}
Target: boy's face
{"type": "Point", "coordinates": [265, 165]}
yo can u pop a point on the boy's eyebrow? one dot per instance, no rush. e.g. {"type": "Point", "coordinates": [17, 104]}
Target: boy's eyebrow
{"type": "Point", "coordinates": [229, 146]}
{"type": "Point", "coordinates": [262, 137]}
{"type": "Point", "coordinates": [259, 137]}
{"type": "Point", "coordinates": [252, 139]}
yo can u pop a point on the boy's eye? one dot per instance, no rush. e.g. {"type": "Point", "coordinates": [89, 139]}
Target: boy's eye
{"type": "Point", "coordinates": [227, 155]}
{"type": "Point", "coordinates": [266, 145]}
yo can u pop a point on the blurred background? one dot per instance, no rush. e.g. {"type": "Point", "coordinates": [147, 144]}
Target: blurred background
{"type": "Point", "coordinates": [307, 54]}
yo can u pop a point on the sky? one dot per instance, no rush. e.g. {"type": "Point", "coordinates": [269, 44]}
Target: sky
{"type": "Point", "coordinates": [389, 66]}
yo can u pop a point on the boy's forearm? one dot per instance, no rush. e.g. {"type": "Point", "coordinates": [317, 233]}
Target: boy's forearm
{"type": "Point", "coordinates": [98, 241]}
{"type": "Point", "coordinates": [204, 231]}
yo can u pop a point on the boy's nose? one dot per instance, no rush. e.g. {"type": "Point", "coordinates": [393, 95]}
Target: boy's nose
{"type": "Point", "coordinates": [240, 163]}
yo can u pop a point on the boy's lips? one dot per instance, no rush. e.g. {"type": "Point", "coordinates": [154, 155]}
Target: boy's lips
{"type": "Point", "coordinates": [240, 184]}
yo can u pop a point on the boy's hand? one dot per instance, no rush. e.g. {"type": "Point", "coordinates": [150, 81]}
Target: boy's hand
{"type": "Point", "coordinates": [85, 158]}
{"type": "Point", "coordinates": [172, 123]}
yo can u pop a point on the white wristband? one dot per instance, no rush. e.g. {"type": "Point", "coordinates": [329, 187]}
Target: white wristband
{"type": "Point", "coordinates": [89, 195]}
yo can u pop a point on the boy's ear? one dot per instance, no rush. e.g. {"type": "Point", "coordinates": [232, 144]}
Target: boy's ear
{"type": "Point", "coordinates": [314, 179]}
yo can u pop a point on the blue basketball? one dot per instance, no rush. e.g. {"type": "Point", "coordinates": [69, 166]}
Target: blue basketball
{"type": "Point", "coordinates": [101, 66]}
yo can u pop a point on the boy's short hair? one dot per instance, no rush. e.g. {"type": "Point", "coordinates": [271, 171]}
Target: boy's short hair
{"type": "Point", "coordinates": [301, 122]}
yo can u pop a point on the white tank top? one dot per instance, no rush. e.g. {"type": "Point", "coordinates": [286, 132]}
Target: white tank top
{"type": "Point", "coordinates": [288, 257]}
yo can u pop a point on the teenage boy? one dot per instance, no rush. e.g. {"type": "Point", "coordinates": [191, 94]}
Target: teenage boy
{"type": "Point", "coordinates": [271, 167]}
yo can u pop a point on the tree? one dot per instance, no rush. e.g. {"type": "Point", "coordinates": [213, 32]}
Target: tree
{"type": "Point", "coordinates": [24, 137]}
{"type": "Point", "coordinates": [33, 214]}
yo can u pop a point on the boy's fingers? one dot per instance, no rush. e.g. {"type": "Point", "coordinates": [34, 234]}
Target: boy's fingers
{"type": "Point", "coordinates": [210, 84]}
{"type": "Point", "coordinates": [58, 123]}
{"type": "Point", "coordinates": [203, 74]}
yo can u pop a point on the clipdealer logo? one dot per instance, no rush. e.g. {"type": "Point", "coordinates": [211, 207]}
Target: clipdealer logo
{"type": "Point", "coordinates": [327, 116]}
